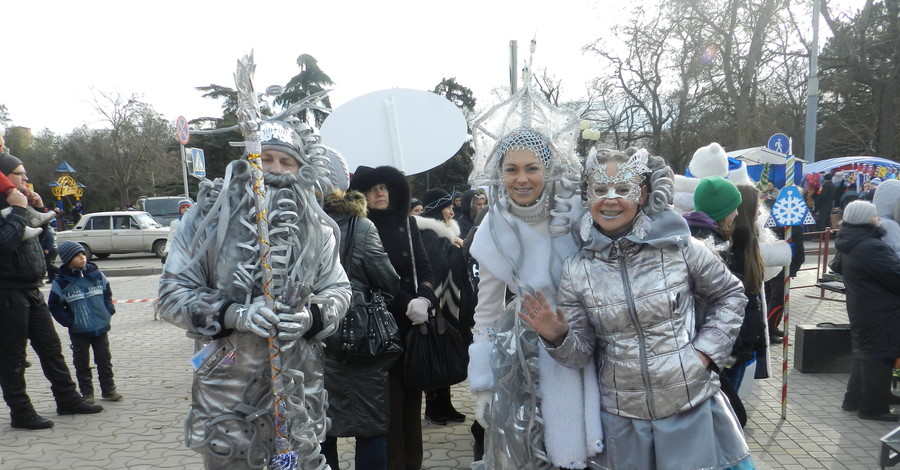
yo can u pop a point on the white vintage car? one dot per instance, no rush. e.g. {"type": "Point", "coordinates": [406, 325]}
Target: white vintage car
{"type": "Point", "coordinates": [104, 233]}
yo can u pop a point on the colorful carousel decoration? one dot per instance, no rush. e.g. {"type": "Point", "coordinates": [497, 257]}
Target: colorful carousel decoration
{"type": "Point", "coordinates": [66, 185]}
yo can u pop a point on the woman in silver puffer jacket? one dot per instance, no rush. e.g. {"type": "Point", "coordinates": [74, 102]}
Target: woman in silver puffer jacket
{"type": "Point", "coordinates": [627, 298]}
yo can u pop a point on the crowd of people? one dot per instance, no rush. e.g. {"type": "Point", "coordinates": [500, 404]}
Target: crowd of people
{"type": "Point", "coordinates": [607, 325]}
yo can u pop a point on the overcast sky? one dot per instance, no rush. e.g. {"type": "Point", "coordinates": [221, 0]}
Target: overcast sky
{"type": "Point", "coordinates": [57, 54]}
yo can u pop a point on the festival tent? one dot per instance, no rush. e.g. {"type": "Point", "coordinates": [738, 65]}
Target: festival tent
{"type": "Point", "coordinates": [871, 166]}
{"type": "Point", "coordinates": [756, 157]}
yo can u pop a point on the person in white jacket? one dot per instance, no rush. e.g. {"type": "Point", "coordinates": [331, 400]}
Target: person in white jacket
{"type": "Point", "coordinates": [536, 413]}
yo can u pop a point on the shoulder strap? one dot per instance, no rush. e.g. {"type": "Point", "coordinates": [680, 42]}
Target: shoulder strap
{"type": "Point", "coordinates": [412, 254]}
{"type": "Point", "coordinates": [348, 246]}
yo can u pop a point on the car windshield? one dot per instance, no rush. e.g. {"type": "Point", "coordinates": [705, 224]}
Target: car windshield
{"type": "Point", "coordinates": [146, 221]}
{"type": "Point", "coordinates": [164, 206]}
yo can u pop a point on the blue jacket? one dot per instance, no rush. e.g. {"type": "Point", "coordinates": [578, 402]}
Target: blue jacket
{"type": "Point", "coordinates": [81, 300]}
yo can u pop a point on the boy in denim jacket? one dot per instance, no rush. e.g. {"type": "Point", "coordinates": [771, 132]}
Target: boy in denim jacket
{"type": "Point", "coordinates": [81, 300]}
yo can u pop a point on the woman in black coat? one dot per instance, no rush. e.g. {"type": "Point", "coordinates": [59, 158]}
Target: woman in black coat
{"type": "Point", "coordinates": [871, 274]}
{"type": "Point", "coordinates": [358, 393]}
{"type": "Point", "coordinates": [387, 199]}
{"type": "Point", "coordinates": [441, 238]}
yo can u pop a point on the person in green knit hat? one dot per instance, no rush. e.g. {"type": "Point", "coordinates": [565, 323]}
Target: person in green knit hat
{"type": "Point", "coordinates": [716, 203]}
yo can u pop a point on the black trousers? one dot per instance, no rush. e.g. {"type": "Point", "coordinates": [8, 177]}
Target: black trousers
{"type": "Point", "coordinates": [81, 359]}
{"type": "Point", "coordinates": [404, 438]}
{"type": "Point", "coordinates": [869, 386]}
{"type": "Point", "coordinates": [24, 316]}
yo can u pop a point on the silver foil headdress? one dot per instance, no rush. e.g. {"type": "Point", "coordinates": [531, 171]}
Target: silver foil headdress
{"type": "Point", "coordinates": [512, 124]}
{"type": "Point", "coordinates": [526, 139]}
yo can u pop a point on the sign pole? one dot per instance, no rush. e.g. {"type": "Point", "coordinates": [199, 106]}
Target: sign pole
{"type": "Point", "coordinates": [183, 133]}
{"type": "Point", "coordinates": [788, 210]}
{"type": "Point", "coordinates": [788, 237]}
{"type": "Point", "coordinates": [184, 172]}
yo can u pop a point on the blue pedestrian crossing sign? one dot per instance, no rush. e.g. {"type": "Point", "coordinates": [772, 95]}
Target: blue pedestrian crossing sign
{"type": "Point", "coordinates": [198, 160]}
{"type": "Point", "coordinates": [779, 143]}
{"type": "Point", "coordinates": [789, 209]}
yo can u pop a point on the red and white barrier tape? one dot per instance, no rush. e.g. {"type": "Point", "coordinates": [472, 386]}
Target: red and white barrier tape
{"type": "Point", "coordinates": [133, 301]}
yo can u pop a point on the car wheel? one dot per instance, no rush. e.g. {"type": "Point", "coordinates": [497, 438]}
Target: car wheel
{"type": "Point", "coordinates": [159, 248]}
{"type": "Point", "coordinates": [102, 255]}
{"type": "Point", "coordinates": [87, 252]}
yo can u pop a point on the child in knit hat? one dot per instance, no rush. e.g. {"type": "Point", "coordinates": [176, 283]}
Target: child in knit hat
{"type": "Point", "coordinates": [81, 300]}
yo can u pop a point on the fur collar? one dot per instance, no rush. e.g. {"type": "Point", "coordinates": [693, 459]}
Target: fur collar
{"type": "Point", "coordinates": [450, 232]}
{"type": "Point", "coordinates": [351, 203]}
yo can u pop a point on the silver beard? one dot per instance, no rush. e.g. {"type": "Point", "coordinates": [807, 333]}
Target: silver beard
{"type": "Point", "coordinates": [284, 180]}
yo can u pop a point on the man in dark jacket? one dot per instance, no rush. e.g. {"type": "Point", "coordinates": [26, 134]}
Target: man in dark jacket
{"type": "Point", "coordinates": [825, 203]}
{"type": "Point", "coordinates": [24, 314]}
{"type": "Point", "coordinates": [871, 274]}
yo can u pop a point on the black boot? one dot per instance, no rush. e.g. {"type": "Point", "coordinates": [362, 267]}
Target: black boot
{"type": "Point", "coordinates": [449, 412]}
{"type": "Point", "coordinates": [478, 445]}
{"type": "Point", "coordinates": [30, 421]}
{"type": "Point", "coordinates": [433, 409]}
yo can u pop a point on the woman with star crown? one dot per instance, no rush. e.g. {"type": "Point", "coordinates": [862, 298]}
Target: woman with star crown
{"type": "Point", "coordinates": [626, 299]}
{"type": "Point", "coordinates": [536, 413]}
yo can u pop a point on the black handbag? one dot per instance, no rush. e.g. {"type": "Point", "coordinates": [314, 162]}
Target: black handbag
{"type": "Point", "coordinates": [368, 333]}
{"type": "Point", "coordinates": [436, 356]}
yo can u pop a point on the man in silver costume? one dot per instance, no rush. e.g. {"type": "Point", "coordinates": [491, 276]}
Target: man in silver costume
{"type": "Point", "coordinates": [212, 286]}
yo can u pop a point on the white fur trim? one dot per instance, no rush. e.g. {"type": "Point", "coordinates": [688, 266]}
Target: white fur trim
{"type": "Point", "coordinates": [740, 176]}
{"type": "Point", "coordinates": [686, 184]}
{"type": "Point", "coordinates": [593, 426]}
{"type": "Point", "coordinates": [775, 254]}
{"type": "Point", "coordinates": [572, 429]}
{"type": "Point", "coordinates": [684, 202]}
{"type": "Point", "coordinates": [450, 232]}
{"type": "Point", "coordinates": [481, 377]}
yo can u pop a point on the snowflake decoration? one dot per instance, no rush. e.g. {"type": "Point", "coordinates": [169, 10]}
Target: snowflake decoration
{"type": "Point", "coordinates": [790, 210]}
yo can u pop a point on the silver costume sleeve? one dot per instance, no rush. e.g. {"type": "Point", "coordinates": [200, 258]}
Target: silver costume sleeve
{"type": "Point", "coordinates": [185, 298]}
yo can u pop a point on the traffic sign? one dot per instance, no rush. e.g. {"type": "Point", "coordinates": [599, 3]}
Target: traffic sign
{"type": "Point", "coordinates": [789, 209]}
{"type": "Point", "coordinates": [779, 143]}
{"type": "Point", "coordinates": [182, 131]}
{"type": "Point", "coordinates": [199, 163]}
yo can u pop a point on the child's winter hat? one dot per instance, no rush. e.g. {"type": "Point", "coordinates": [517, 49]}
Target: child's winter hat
{"type": "Point", "coordinates": [716, 197]}
{"type": "Point", "coordinates": [68, 250]}
{"type": "Point", "coordinates": [875, 181]}
{"type": "Point", "coordinates": [859, 212]}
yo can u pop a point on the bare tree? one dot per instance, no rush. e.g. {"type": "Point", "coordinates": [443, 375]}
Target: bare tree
{"type": "Point", "coordinates": [139, 140]}
{"type": "Point", "coordinates": [868, 48]}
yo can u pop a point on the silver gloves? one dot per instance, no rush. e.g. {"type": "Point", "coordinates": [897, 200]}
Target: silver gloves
{"type": "Point", "coordinates": [255, 318]}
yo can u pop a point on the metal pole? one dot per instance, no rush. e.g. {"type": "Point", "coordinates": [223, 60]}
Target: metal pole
{"type": "Point", "coordinates": [184, 172]}
{"type": "Point", "coordinates": [513, 66]}
{"type": "Point", "coordinates": [812, 93]}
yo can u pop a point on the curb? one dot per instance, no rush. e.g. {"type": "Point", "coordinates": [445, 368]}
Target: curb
{"type": "Point", "coordinates": [131, 271]}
